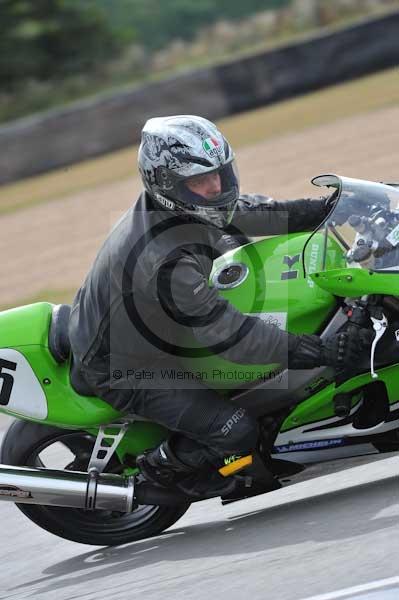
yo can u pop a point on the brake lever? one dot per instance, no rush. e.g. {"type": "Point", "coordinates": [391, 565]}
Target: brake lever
{"type": "Point", "coordinates": [380, 327]}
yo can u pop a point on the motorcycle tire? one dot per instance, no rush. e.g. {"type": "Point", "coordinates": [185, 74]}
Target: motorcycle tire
{"type": "Point", "coordinates": [22, 445]}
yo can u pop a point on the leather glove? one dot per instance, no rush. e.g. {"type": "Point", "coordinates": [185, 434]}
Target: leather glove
{"type": "Point", "coordinates": [304, 351]}
{"type": "Point", "coordinates": [350, 205]}
{"type": "Point", "coordinates": [340, 351]}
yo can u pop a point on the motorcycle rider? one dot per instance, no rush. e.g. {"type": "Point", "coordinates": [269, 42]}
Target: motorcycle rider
{"type": "Point", "coordinates": [148, 287]}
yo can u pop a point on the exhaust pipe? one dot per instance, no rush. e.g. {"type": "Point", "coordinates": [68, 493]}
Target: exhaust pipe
{"type": "Point", "coordinates": [75, 489]}
{"type": "Point", "coordinates": [71, 489]}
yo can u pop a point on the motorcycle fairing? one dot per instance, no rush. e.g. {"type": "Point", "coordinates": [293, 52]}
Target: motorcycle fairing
{"type": "Point", "coordinates": [309, 395]}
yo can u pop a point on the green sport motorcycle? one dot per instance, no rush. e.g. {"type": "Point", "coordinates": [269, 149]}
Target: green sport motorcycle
{"type": "Point", "coordinates": [68, 460]}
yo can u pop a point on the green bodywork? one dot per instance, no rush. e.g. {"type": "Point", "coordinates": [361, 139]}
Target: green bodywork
{"type": "Point", "coordinates": [357, 282]}
{"type": "Point", "coordinates": [308, 302]}
{"type": "Point", "coordinates": [320, 406]}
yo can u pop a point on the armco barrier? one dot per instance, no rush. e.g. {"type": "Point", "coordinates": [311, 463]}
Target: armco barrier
{"type": "Point", "coordinates": [93, 127]}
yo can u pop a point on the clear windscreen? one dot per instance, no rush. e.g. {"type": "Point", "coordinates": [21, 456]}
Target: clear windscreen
{"type": "Point", "coordinates": [362, 228]}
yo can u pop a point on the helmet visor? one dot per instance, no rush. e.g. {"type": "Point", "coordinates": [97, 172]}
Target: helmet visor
{"type": "Point", "coordinates": [211, 196]}
{"type": "Point", "coordinates": [208, 188]}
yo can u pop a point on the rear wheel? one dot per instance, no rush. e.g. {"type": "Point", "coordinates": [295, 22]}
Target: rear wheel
{"type": "Point", "coordinates": [33, 445]}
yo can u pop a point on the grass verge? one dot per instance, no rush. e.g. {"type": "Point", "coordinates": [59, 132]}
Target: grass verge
{"type": "Point", "coordinates": [330, 104]}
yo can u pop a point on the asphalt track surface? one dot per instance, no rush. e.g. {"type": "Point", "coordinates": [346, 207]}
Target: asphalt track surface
{"type": "Point", "coordinates": [327, 534]}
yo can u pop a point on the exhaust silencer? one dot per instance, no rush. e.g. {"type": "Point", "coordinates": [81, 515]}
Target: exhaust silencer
{"type": "Point", "coordinates": [75, 489]}
{"type": "Point", "coordinates": [71, 489]}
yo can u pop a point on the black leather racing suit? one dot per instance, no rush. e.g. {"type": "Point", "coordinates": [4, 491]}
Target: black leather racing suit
{"type": "Point", "coordinates": [147, 292]}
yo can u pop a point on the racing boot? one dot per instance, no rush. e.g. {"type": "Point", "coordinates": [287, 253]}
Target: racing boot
{"type": "Point", "coordinates": [207, 484]}
{"type": "Point", "coordinates": [162, 467]}
{"type": "Point", "coordinates": [253, 480]}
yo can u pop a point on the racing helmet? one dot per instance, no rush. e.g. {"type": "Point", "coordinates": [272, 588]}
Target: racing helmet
{"type": "Point", "coordinates": [176, 148]}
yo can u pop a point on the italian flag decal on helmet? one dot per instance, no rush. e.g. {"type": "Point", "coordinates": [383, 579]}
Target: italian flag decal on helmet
{"type": "Point", "coordinates": [212, 147]}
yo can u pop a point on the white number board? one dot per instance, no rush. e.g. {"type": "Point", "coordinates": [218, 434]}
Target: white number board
{"type": "Point", "coordinates": [20, 390]}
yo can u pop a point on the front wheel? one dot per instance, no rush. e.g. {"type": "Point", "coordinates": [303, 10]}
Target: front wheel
{"type": "Point", "coordinates": [34, 445]}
